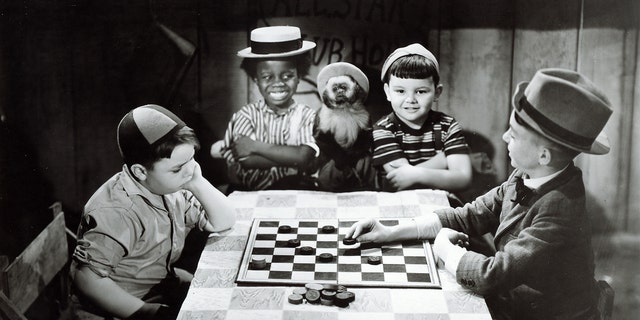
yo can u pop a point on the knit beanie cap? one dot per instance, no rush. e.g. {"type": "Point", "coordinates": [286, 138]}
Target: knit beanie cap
{"type": "Point", "coordinates": [142, 127]}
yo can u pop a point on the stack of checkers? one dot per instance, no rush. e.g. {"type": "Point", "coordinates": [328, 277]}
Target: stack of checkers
{"type": "Point", "coordinates": [325, 294]}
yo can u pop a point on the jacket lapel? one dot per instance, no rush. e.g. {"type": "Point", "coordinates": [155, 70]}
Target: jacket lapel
{"type": "Point", "coordinates": [513, 212]}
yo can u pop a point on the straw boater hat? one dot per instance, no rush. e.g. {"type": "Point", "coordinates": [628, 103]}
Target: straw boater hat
{"type": "Point", "coordinates": [411, 49]}
{"type": "Point", "coordinates": [565, 107]}
{"type": "Point", "coordinates": [342, 68]}
{"type": "Point", "coordinates": [144, 126]}
{"type": "Point", "coordinates": [275, 42]}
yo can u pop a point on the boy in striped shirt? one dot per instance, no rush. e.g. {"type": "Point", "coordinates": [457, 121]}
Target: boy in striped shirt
{"type": "Point", "coordinates": [414, 146]}
{"type": "Point", "coordinates": [268, 141]}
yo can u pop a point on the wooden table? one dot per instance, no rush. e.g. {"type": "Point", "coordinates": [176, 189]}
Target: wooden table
{"type": "Point", "coordinates": [214, 294]}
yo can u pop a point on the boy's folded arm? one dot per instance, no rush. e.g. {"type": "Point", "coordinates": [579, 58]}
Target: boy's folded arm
{"type": "Point", "coordinates": [282, 155]}
{"type": "Point", "coordinates": [257, 162]}
{"type": "Point", "coordinates": [105, 293]}
{"type": "Point", "coordinates": [394, 164]}
{"type": "Point", "coordinates": [439, 161]}
{"type": "Point", "coordinates": [456, 177]}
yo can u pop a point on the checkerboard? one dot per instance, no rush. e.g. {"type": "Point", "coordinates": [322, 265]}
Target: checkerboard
{"type": "Point", "coordinates": [407, 264]}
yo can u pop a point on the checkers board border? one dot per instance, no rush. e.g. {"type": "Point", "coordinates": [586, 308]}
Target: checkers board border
{"type": "Point", "coordinates": [246, 276]}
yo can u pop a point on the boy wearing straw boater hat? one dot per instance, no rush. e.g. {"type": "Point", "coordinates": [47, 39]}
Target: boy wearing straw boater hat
{"type": "Point", "coordinates": [543, 265]}
{"type": "Point", "coordinates": [267, 141]}
{"type": "Point", "coordinates": [133, 229]}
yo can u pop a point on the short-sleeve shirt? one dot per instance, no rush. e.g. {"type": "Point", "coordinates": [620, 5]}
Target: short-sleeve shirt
{"type": "Point", "coordinates": [133, 236]}
{"type": "Point", "coordinates": [259, 122]}
{"type": "Point", "coordinates": [393, 139]}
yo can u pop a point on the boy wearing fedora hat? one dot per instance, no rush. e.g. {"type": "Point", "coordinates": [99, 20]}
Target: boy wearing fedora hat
{"type": "Point", "coordinates": [543, 266]}
{"type": "Point", "coordinates": [133, 228]}
{"type": "Point", "coordinates": [414, 146]}
{"type": "Point", "coordinates": [267, 141]}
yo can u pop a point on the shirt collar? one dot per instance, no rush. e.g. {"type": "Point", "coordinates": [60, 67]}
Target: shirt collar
{"type": "Point", "coordinates": [133, 187]}
{"type": "Point", "coordinates": [264, 106]}
{"type": "Point", "coordinates": [535, 183]}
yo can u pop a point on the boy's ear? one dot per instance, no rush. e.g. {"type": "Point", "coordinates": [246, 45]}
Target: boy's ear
{"type": "Point", "coordinates": [544, 156]}
{"type": "Point", "coordinates": [139, 171]}
{"type": "Point", "coordinates": [438, 91]}
{"type": "Point", "coordinates": [386, 91]}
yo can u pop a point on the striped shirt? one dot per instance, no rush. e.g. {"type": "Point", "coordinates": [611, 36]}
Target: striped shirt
{"type": "Point", "coordinates": [392, 139]}
{"type": "Point", "coordinates": [261, 123]}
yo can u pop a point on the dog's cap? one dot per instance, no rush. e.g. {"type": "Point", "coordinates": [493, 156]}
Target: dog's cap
{"type": "Point", "coordinates": [565, 107]}
{"type": "Point", "coordinates": [411, 49]}
{"type": "Point", "coordinates": [143, 126]}
{"type": "Point", "coordinates": [339, 69]}
{"type": "Point", "coordinates": [276, 41]}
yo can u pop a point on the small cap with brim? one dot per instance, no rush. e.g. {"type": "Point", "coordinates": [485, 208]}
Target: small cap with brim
{"type": "Point", "coordinates": [276, 41]}
{"type": "Point", "coordinates": [342, 68]}
{"type": "Point", "coordinates": [411, 49]}
{"type": "Point", "coordinates": [143, 126]}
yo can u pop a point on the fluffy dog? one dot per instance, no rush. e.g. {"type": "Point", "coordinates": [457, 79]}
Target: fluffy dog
{"type": "Point", "coordinates": [343, 130]}
{"type": "Point", "coordinates": [343, 113]}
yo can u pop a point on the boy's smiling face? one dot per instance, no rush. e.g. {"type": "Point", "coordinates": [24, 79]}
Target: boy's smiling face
{"type": "Point", "coordinates": [169, 175]}
{"type": "Point", "coordinates": [411, 99]}
{"type": "Point", "coordinates": [277, 82]}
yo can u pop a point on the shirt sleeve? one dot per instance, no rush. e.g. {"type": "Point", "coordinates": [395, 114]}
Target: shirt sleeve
{"type": "Point", "coordinates": [239, 125]}
{"type": "Point", "coordinates": [306, 131]}
{"type": "Point", "coordinates": [107, 235]}
{"type": "Point", "coordinates": [475, 218]}
{"type": "Point", "coordinates": [454, 142]}
{"type": "Point", "coordinates": [385, 146]}
{"type": "Point", "coordinates": [195, 215]}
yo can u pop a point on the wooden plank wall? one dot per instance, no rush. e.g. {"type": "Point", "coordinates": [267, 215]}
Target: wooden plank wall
{"type": "Point", "coordinates": [607, 53]}
{"type": "Point", "coordinates": [72, 72]}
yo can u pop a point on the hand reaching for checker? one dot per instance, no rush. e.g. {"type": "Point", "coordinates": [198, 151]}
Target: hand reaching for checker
{"type": "Point", "coordinates": [369, 230]}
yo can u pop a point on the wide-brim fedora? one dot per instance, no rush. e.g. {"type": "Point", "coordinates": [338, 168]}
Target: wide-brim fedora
{"type": "Point", "coordinates": [565, 107]}
{"type": "Point", "coordinates": [275, 42]}
{"type": "Point", "coordinates": [342, 68]}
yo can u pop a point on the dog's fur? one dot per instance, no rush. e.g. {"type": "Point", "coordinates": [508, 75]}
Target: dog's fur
{"type": "Point", "coordinates": [343, 113]}
{"type": "Point", "coordinates": [344, 135]}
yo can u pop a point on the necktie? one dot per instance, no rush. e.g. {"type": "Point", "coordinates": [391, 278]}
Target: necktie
{"type": "Point", "coordinates": [523, 193]}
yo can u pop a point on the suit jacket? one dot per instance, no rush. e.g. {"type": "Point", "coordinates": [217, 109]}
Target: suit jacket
{"type": "Point", "coordinates": [543, 267]}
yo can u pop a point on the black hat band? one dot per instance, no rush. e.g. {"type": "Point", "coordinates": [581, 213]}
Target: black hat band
{"type": "Point", "coordinates": [551, 127]}
{"type": "Point", "coordinates": [275, 47]}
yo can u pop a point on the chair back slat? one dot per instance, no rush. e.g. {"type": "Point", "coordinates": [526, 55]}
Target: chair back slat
{"type": "Point", "coordinates": [27, 276]}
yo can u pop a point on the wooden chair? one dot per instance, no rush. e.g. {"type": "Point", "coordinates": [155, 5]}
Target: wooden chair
{"type": "Point", "coordinates": [605, 300]}
{"type": "Point", "coordinates": [24, 279]}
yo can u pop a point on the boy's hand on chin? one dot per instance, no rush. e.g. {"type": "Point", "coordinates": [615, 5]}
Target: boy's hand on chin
{"type": "Point", "coordinates": [195, 178]}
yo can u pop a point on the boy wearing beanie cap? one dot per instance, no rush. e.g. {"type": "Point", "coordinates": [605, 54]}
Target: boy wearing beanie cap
{"type": "Point", "coordinates": [542, 267]}
{"type": "Point", "coordinates": [133, 228]}
{"type": "Point", "coordinates": [414, 146]}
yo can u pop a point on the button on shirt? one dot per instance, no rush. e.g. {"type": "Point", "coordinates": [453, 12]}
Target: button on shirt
{"type": "Point", "coordinates": [133, 236]}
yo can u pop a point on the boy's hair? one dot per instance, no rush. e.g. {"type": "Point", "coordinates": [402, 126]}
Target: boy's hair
{"type": "Point", "coordinates": [301, 61]}
{"type": "Point", "coordinates": [413, 67]}
{"type": "Point", "coordinates": [163, 148]}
